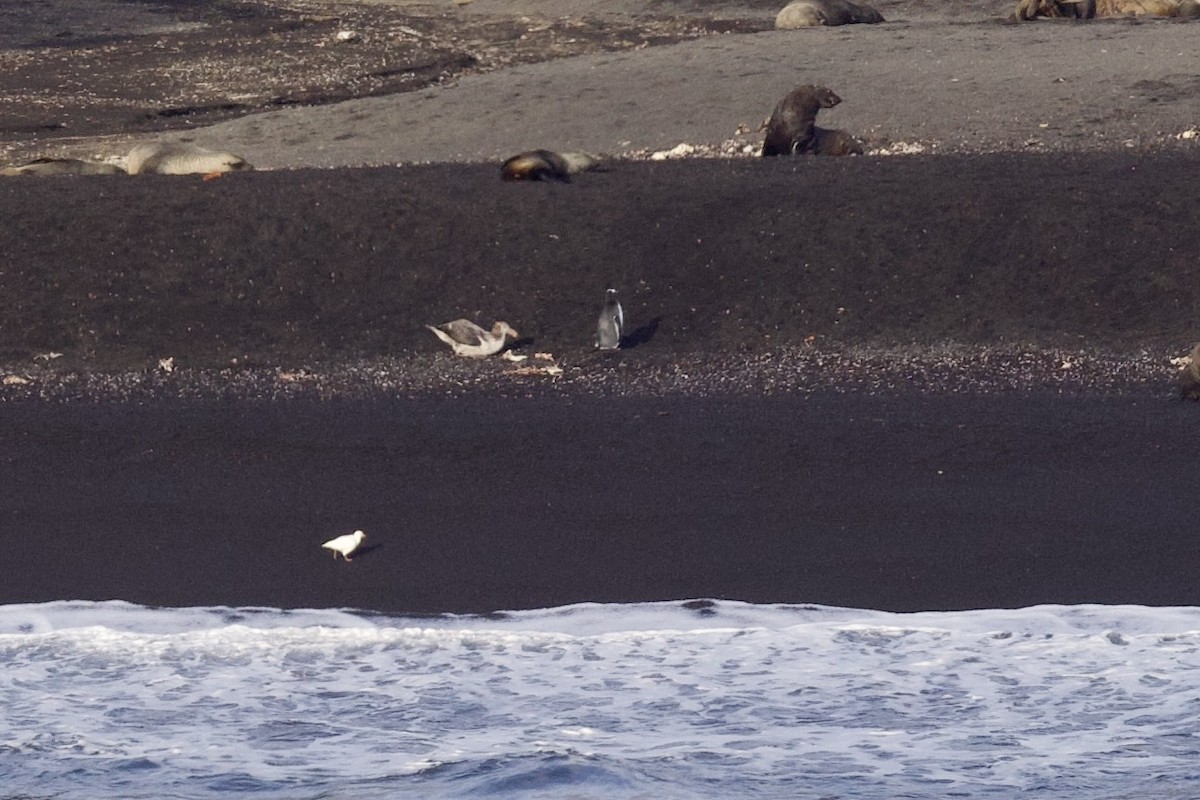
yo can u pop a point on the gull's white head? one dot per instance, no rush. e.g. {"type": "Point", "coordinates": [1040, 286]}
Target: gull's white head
{"type": "Point", "coordinates": [504, 329]}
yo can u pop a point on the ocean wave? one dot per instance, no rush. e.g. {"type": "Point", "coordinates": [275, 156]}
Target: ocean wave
{"type": "Point", "coordinates": [704, 698]}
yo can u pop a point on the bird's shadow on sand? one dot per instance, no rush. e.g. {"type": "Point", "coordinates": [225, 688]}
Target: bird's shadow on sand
{"type": "Point", "coordinates": [365, 550]}
{"type": "Point", "coordinates": [639, 336]}
{"type": "Point", "coordinates": [524, 341]}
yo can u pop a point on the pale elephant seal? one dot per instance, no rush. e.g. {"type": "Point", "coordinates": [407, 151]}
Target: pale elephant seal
{"type": "Point", "coordinates": [815, 13]}
{"type": "Point", "coordinates": [546, 165]}
{"type": "Point", "coordinates": [791, 130]}
{"type": "Point", "coordinates": [1087, 9]}
{"type": "Point", "coordinates": [166, 158]}
{"type": "Point", "coordinates": [63, 166]}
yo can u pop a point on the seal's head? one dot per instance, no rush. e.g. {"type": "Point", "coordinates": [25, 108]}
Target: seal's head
{"type": "Point", "coordinates": [536, 165]}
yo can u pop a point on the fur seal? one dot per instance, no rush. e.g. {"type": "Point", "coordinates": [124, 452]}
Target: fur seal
{"type": "Point", "coordinates": [834, 142]}
{"type": "Point", "coordinates": [792, 129]}
{"type": "Point", "coordinates": [546, 165]}
{"type": "Point", "coordinates": [815, 13]}
{"type": "Point", "coordinates": [1189, 376]}
{"type": "Point", "coordinates": [63, 166]}
{"type": "Point", "coordinates": [611, 324]}
{"type": "Point", "coordinates": [468, 339]}
{"type": "Point", "coordinates": [166, 158]}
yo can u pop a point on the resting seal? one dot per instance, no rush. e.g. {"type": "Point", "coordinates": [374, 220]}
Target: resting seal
{"type": "Point", "coordinates": [792, 130]}
{"type": "Point", "coordinates": [833, 142]}
{"type": "Point", "coordinates": [165, 158]}
{"type": "Point", "coordinates": [814, 13]}
{"type": "Point", "coordinates": [1189, 376]}
{"type": "Point", "coordinates": [63, 166]}
{"type": "Point", "coordinates": [1087, 9]}
{"type": "Point", "coordinates": [546, 165]}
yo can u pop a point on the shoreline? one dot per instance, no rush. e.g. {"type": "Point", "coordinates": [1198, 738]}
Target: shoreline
{"type": "Point", "coordinates": [864, 369]}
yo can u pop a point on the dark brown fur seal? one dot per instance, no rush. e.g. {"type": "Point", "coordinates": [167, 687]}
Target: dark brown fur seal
{"type": "Point", "coordinates": [545, 165]}
{"type": "Point", "coordinates": [792, 129]}
{"type": "Point", "coordinates": [1189, 377]}
{"type": "Point", "coordinates": [833, 142]}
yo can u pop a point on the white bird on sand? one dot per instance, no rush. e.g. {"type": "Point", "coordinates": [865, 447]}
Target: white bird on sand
{"type": "Point", "coordinates": [611, 324]}
{"type": "Point", "coordinates": [472, 341]}
{"type": "Point", "coordinates": [345, 544]}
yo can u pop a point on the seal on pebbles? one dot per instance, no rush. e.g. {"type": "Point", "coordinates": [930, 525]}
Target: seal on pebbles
{"type": "Point", "coordinates": [546, 165]}
{"type": "Point", "coordinates": [63, 166]}
{"type": "Point", "coordinates": [1189, 376]}
{"type": "Point", "coordinates": [792, 129]}
{"type": "Point", "coordinates": [815, 13]}
{"type": "Point", "coordinates": [166, 158]}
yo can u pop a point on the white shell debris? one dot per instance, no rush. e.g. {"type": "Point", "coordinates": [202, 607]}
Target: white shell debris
{"type": "Point", "coordinates": [680, 150]}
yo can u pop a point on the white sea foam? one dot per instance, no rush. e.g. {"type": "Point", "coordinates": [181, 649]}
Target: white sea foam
{"type": "Point", "coordinates": [111, 700]}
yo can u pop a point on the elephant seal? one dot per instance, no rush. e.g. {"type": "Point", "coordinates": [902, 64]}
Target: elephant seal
{"type": "Point", "coordinates": [63, 166]}
{"type": "Point", "coordinates": [165, 158]}
{"type": "Point", "coordinates": [815, 13]}
{"type": "Point", "coordinates": [1087, 9]}
{"type": "Point", "coordinates": [791, 130]}
{"type": "Point", "coordinates": [546, 165]}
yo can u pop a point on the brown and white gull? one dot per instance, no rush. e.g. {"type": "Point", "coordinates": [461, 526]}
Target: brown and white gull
{"type": "Point", "coordinates": [468, 339]}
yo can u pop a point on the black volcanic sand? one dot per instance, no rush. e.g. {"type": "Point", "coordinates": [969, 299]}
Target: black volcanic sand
{"type": "Point", "coordinates": [900, 501]}
{"type": "Point", "coordinates": [476, 500]}
{"type": "Point", "coordinates": [281, 268]}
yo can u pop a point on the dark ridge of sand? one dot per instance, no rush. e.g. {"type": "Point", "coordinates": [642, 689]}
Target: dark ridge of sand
{"type": "Point", "coordinates": [289, 268]}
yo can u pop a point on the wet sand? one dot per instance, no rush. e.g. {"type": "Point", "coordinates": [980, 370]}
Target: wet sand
{"type": "Point", "coordinates": [897, 501]}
